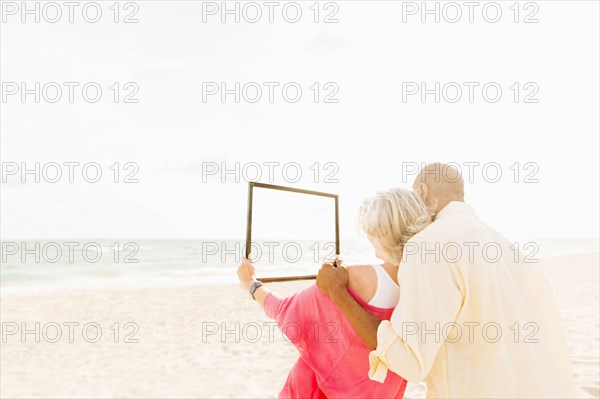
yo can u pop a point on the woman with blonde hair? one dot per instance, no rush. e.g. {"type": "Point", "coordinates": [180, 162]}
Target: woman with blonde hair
{"type": "Point", "coordinates": [335, 364]}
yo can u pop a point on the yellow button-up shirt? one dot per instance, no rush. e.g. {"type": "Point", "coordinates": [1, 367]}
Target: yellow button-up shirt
{"type": "Point", "coordinates": [475, 319]}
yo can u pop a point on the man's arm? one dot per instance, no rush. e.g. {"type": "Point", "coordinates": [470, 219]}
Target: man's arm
{"type": "Point", "coordinates": [406, 353]}
{"type": "Point", "coordinates": [333, 281]}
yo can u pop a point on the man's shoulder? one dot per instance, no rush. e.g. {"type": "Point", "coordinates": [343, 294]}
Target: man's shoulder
{"type": "Point", "coordinates": [437, 231]}
{"type": "Point", "coordinates": [449, 229]}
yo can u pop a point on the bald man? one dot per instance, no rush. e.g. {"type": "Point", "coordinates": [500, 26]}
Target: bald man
{"type": "Point", "coordinates": [474, 320]}
{"type": "Point", "coordinates": [439, 184]}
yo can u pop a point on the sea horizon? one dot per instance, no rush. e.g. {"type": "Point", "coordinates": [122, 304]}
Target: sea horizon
{"type": "Point", "coordinates": [65, 264]}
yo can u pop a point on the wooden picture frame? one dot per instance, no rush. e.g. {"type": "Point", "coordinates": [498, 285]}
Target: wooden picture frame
{"type": "Point", "coordinates": [251, 187]}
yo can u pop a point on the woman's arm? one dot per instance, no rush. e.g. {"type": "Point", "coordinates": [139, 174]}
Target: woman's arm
{"type": "Point", "coordinates": [247, 276]}
{"type": "Point", "coordinates": [286, 311]}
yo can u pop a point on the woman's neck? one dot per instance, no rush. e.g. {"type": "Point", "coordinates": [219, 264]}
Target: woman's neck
{"type": "Point", "coordinates": [392, 270]}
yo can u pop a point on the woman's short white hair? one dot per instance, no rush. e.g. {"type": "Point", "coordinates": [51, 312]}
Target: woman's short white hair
{"type": "Point", "coordinates": [392, 217]}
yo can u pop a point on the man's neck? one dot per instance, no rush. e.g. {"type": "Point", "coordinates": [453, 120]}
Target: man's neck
{"type": "Point", "coordinates": [443, 204]}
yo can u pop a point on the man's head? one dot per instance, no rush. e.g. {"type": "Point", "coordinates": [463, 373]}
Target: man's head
{"type": "Point", "coordinates": [438, 184]}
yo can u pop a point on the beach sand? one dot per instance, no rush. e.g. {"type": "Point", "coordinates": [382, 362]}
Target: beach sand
{"type": "Point", "coordinates": [181, 351]}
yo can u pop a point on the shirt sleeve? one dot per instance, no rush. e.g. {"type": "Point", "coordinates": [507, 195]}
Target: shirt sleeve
{"type": "Point", "coordinates": [293, 314]}
{"type": "Point", "coordinates": [314, 325]}
{"type": "Point", "coordinates": [430, 298]}
{"type": "Point", "coordinates": [275, 306]}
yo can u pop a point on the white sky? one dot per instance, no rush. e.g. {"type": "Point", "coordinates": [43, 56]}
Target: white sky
{"type": "Point", "coordinates": [370, 134]}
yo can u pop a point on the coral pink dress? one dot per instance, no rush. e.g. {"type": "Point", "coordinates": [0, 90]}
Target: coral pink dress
{"type": "Point", "coordinates": [334, 361]}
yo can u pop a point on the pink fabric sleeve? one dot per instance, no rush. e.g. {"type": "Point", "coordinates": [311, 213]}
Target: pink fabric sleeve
{"type": "Point", "coordinates": [314, 325]}
{"type": "Point", "coordinates": [273, 305]}
{"type": "Point", "coordinates": [302, 381]}
{"type": "Point", "coordinates": [290, 313]}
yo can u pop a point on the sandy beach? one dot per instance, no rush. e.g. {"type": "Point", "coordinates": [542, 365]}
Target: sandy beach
{"type": "Point", "coordinates": [207, 341]}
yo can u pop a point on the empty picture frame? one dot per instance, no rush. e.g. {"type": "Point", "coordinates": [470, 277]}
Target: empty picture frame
{"type": "Point", "coordinates": [252, 186]}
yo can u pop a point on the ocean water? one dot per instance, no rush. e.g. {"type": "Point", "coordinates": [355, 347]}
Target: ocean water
{"type": "Point", "coordinates": [50, 265]}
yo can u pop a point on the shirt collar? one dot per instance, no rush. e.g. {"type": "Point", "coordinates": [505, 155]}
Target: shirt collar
{"type": "Point", "coordinates": [454, 207]}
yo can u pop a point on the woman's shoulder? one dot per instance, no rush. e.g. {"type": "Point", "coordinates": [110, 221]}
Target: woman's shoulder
{"type": "Point", "coordinates": [360, 270]}
{"type": "Point", "coordinates": [362, 279]}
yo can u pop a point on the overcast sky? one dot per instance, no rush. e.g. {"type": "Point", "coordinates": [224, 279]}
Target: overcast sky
{"type": "Point", "coordinates": [360, 135]}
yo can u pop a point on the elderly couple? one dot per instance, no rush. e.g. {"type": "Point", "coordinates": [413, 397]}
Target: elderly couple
{"type": "Point", "coordinates": [452, 304]}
